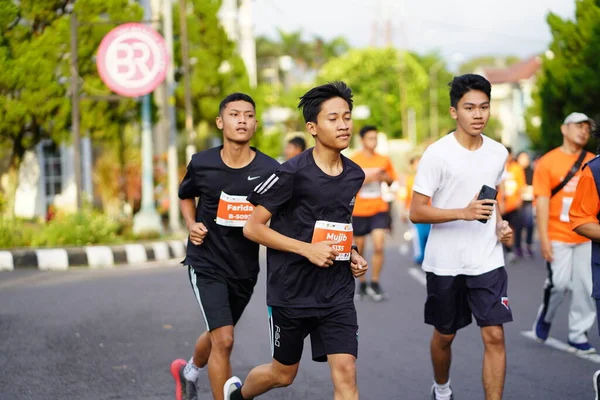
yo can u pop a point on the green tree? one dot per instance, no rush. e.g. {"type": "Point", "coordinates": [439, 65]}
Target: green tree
{"type": "Point", "coordinates": [469, 67]}
{"type": "Point", "coordinates": [375, 76]}
{"type": "Point", "coordinates": [217, 69]}
{"type": "Point", "coordinates": [569, 80]}
{"type": "Point", "coordinates": [34, 60]}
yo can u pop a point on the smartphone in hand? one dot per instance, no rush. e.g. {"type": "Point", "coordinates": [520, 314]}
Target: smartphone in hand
{"type": "Point", "coordinates": [487, 193]}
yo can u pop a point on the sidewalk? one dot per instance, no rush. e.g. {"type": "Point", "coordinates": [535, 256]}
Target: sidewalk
{"type": "Point", "coordinates": [62, 259]}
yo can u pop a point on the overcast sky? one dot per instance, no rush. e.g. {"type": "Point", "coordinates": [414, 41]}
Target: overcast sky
{"type": "Point", "coordinates": [457, 28]}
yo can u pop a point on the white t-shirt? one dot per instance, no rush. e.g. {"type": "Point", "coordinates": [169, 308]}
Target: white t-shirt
{"type": "Point", "coordinates": [452, 175]}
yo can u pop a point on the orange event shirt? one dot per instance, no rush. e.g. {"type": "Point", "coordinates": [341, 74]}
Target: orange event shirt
{"type": "Point", "coordinates": [512, 186]}
{"type": "Point", "coordinates": [549, 172]}
{"type": "Point", "coordinates": [586, 203]}
{"type": "Point", "coordinates": [368, 200]}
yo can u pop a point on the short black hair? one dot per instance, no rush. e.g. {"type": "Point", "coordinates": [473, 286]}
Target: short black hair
{"type": "Point", "coordinates": [463, 84]}
{"type": "Point", "coordinates": [509, 149]}
{"type": "Point", "coordinates": [235, 97]}
{"type": "Point", "coordinates": [367, 128]}
{"type": "Point", "coordinates": [298, 142]}
{"type": "Point", "coordinates": [312, 100]}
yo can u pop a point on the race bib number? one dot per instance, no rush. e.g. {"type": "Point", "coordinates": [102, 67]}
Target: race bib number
{"type": "Point", "coordinates": [528, 193]}
{"type": "Point", "coordinates": [233, 211]}
{"type": "Point", "coordinates": [336, 231]}
{"type": "Point", "coordinates": [371, 190]}
{"type": "Point", "coordinates": [510, 187]}
{"type": "Point", "coordinates": [566, 206]}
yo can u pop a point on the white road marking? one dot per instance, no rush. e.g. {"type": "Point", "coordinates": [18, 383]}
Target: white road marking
{"type": "Point", "coordinates": [558, 345]}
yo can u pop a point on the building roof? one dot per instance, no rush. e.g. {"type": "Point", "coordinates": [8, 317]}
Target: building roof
{"type": "Point", "coordinates": [517, 72]}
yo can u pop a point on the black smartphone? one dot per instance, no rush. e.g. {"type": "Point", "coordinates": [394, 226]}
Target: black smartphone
{"type": "Point", "coordinates": [486, 193]}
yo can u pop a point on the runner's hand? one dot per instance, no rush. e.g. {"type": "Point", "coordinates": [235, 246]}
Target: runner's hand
{"type": "Point", "coordinates": [479, 209]}
{"type": "Point", "coordinates": [547, 253]}
{"type": "Point", "coordinates": [358, 265]}
{"type": "Point", "coordinates": [504, 232]}
{"type": "Point", "coordinates": [321, 253]}
{"type": "Point", "coordinates": [197, 233]}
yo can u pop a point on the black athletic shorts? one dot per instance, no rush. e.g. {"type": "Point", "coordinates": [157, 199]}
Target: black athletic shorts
{"type": "Point", "coordinates": [332, 330]}
{"type": "Point", "coordinates": [222, 300]}
{"type": "Point", "coordinates": [452, 299]}
{"type": "Point", "coordinates": [364, 225]}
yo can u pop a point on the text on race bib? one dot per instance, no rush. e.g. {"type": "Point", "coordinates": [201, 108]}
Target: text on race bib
{"type": "Point", "coordinates": [233, 211]}
{"type": "Point", "coordinates": [510, 187]}
{"type": "Point", "coordinates": [338, 232]}
{"type": "Point", "coordinates": [566, 206]}
{"type": "Point", "coordinates": [371, 190]}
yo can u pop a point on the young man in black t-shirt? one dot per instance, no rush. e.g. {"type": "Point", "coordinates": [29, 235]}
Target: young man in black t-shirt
{"type": "Point", "coordinates": [222, 264]}
{"type": "Point", "coordinates": [311, 260]}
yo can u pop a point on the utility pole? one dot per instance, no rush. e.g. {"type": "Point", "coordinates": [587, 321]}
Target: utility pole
{"type": "Point", "coordinates": [189, 118]}
{"type": "Point", "coordinates": [433, 100]}
{"type": "Point", "coordinates": [169, 101]}
{"type": "Point", "coordinates": [75, 117]}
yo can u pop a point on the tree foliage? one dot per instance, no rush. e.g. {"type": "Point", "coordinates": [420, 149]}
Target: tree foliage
{"type": "Point", "coordinates": [470, 66]}
{"type": "Point", "coordinates": [216, 71]}
{"type": "Point", "coordinates": [569, 80]}
{"type": "Point", "coordinates": [376, 76]}
{"type": "Point", "coordinates": [34, 60]}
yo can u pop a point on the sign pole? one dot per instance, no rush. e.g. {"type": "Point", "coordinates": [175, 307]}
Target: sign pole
{"type": "Point", "coordinates": [147, 219]}
{"type": "Point", "coordinates": [132, 61]}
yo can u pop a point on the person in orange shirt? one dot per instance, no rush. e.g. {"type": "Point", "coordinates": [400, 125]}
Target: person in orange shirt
{"type": "Point", "coordinates": [511, 189]}
{"type": "Point", "coordinates": [370, 216]}
{"type": "Point", "coordinates": [584, 216]}
{"type": "Point", "coordinates": [567, 254]}
{"type": "Point", "coordinates": [420, 231]}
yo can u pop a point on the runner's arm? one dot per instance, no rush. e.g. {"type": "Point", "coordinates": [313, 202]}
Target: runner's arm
{"type": "Point", "coordinates": [188, 211]}
{"type": "Point", "coordinates": [542, 215]}
{"type": "Point", "coordinates": [590, 231]}
{"type": "Point", "coordinates": [257, 230]}
{"type": "Point", "coordinates": [421, 212]}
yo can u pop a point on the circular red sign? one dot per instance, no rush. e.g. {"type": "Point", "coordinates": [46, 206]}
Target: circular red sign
{"type": "Point", "coordinates": [132, 60]}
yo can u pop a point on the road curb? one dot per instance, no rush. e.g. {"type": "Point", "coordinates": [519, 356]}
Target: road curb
{"type": "Point", "coordinates": [61, 259]}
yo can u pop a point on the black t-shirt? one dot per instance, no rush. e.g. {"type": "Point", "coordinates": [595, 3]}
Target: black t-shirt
{"type": "Point", "coordinates": [298, 195]}
{"type": "Point", "coordinates": [225, 248]}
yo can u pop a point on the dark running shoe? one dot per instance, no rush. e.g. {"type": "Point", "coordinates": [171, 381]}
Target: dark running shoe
{"type": "Point", "coordinates": [362, 290]}
{"type": "Point", "coordinates": [376, 292]}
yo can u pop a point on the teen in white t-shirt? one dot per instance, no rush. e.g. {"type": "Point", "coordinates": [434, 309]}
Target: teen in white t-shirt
{"type": "Point", "coordinates": [463, 258]}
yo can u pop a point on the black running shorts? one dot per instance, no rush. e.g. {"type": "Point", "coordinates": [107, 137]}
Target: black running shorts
{"type": "Point", "coordinates": [222, 300]}
{"type": "Point", "coordinates": [452, 299]}
{"type": "Point", "coordinates": [364, 225]}
{"type": "Point", "coordinates": [332, 330]}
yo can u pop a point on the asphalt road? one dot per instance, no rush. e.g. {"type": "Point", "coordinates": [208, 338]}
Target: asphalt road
{"type": "Point", "coordinates": [112, 334]}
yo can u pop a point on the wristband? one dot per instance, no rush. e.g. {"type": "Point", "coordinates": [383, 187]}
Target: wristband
{"type": "Point", "coordinates": [355, 248]}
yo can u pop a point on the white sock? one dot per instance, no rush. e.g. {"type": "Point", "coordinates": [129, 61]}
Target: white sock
{"type": "Point", "coordinates": [442, 392]}
{"type": "Point", "coordinates": [191, 372]}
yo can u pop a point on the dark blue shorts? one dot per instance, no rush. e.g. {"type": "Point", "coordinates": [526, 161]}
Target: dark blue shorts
{"type": "Point", "coordinates": [453, 300]}
{"type": "Point", "coordinates": [364, 225]}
